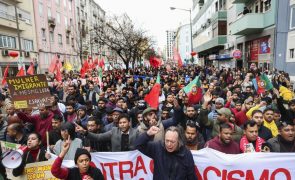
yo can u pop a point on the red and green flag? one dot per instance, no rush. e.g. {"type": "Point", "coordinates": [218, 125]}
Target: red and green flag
{"type": "Point", "coordinates": [152, 99]}
{"type": "Point", "coordinates": [194, 91]}
{"type": "Point", "coordinates": [262, 83]}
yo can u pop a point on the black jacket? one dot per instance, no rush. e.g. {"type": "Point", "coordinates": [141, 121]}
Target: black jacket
{"type": "Point", "coordinates": [287, 114]}
{"type": "Point", "coordinates": [95, 173]}
{"type": "Point", "coordinates": [178, 165]}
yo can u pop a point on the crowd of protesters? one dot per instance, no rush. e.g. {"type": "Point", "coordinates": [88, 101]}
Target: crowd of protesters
{"type": "Point", "coordinates": [112, 116]}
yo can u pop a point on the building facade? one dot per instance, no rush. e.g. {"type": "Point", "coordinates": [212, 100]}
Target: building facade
{"type": "Point", "coordinates": [183, 42]}
{"type": "Point", "coordinates": [210, 31]}
{"type": "Point", "coordinates": [55, 24]}
{"type": "Point", "coordinates": [252, 30]}
{"type": "Point", "coordinates": [89, 17]}
{"type": "Point", "coordinates": [169, 45]}
{"type": "Point", "coordinates": [24, 42]}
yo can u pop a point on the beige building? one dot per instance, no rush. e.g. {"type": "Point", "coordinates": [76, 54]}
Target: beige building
{"type": "Point", "coordinates": [9, 36]}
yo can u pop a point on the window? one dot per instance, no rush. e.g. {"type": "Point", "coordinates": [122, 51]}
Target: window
{"type": "Point", "coordinates": [73, 42]}
{"type": "Point", "coordinates": [59, 39]}
{"type": "Point", "coordinates": [40, 8]}
{"type": "Point", "coordinates": [49, 12]}
{"type": "Point", "coordinates": [43, 33]}
{"type": "Point", "coordinates": [67, 39]}
{"type": "Point", "coordinates": [70, 5]}
{"type": "Point", "coordinates": [28, 45]}
{"type": "Point", "coordinates": [51, 36]}
{"type": "Point", "coordinates": [291, 53]}
{"type": "Point", "coordinates": [58, 18]}
{"type": "Point", "coordinates": [267, 4]}
{"type": "Point", "coordinates": [66, 21]}
{"type": "Point", "coordinates": [7, 42]}
{"type": "Point", "coordinates": [292, 18]}
{"type": "Point", "coordinates": [71, 21]}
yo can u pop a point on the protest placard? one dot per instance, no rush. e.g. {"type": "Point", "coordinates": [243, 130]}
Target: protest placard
{"type": "Point", "coordinates": [29, 91]}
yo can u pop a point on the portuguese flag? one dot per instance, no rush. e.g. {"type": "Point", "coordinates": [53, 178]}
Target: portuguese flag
{"type": "Point", "coordinates": [194, 91]}
{"type": "Point", "coordinates": [152, 99]}
{"type": "Point", "coordinates": [262, 84]}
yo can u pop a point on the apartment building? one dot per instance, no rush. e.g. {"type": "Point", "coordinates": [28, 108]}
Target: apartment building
{"type": "Point", "coordinates": [89, 17]}
{"type": "Point", "coordinates": [17, 37]}
{"type": "Point", "coordinates": [183, 42]}
{"type": "Point", "coordinates": [252, 25]}
{"type": "Point", "coordinates": [210, 32]}
{"type": "Point", "coordinates": [170, 41]}
{"type": "Point", "coordinates": [55, 31]}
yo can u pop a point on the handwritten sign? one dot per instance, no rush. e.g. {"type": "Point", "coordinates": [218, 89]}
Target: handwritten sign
{"type": "Point", "coordinates": [7, 146]}
{"type": "Point", "coordinates": [39, 170]}
{"type": "Point", "coordinates": [29, 91]}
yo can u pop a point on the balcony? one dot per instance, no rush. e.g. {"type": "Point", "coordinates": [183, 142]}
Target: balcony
{"type": "Point", "coordinates": [51, 22]}
{"type": "Point", "coordinates": [9, 21]}
{"type": "Point", "coordinates": [215, 42]}
{"type": "Point", "coordinates": [219, 16]}
{"type": "Point", "coordinates": [17, 1]}
{"type": "Point", "coordinates": [95, 13]}
{"type": "Point", "coordinates": [252, 23]}
{"type": "Point", "coordinates": [82, 3]}
{"type": "Point", "coordinates": [82, 18]}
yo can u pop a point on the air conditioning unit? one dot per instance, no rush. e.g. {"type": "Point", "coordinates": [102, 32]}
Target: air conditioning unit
{"type": "Point", "coordinates": [4, 52]}
{"type": "Point", "coordinates": [27, 54]}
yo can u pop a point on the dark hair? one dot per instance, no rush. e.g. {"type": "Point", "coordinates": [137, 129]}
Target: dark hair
{"type": "Point", "coordinates": [256, 111]}
{"type": "Point", "coordinates": [70, 127]}
{"type": "Point", "coordinates": [268, 109]}
{"type": "Point", "coordinates": [224, 126]}
{"type": "Point", "coordinates": [97, 121]}
{"type": "Point", "coordinates": [18, 127]}
{"type": "Point", "coordinates": [71, 98]}
{"type": "Point", "coordinates": [283, 124]}
{"type": "Point", "coordinates": [292, 102]}
{"type": "Point", "coordinates": [57, 117]}
{"type": "Point", "coordinates": [72, 85]}
{"type": "Point", "coordinates": [70, 104]}
{"type": "Point", "coordinates": [39, 137]}
{"type": "Point", "coordinates": [250, 123]}
{"type": "Point", "coordinates": [192, 124]}
{"type": "Point", "coordinates": [124, 115]}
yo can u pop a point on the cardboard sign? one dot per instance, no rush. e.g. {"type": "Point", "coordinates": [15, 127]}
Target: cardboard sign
{"type": "Point", "coordinates": [7, 146]}
{"type": "Point", "coordinates": [39, 170]}
{"type": "Point", "coordinates": [29, 91]}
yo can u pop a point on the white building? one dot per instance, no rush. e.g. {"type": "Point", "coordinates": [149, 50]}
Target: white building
{"type": "Point", "coordinates": [170, 42]}
{"type": "Point", "coordinates": [183, 42]}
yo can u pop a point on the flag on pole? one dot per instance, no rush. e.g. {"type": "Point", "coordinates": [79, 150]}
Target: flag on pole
{"type": "Point", "coordinates": [155, 62]}
{"type": "Point", "coordinates": [194, 91]}
{"type": "Point", "coordinates": [5, 75]}
{"type": "Point", "coordinates": [21, 72]}
{"type": "Point", "coordinates": [262, 83]}
{"type": "Point", "coordinates": [177, 58]}
{"type": "Point", "coordinates": [100, 83]}
{"type": "Point", "coordinates": [52, 66]}
{"type": "Point", "coordinates": [31, 69]}
{"type": "Point", "coordinates": [152, 99]}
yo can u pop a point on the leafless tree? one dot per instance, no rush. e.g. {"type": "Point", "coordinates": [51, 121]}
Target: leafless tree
{"type": "Point", "coordinates": [120, 36]}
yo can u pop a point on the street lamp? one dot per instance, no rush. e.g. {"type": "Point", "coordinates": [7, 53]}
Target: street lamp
{"type": "Point", "coordinates": [191, 28]}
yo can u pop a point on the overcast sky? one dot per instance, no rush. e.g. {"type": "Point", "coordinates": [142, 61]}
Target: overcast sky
{"type": "Point", "coordinates": [154, 16]}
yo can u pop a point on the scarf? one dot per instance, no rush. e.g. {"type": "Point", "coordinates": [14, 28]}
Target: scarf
{"type": "Point", "coordinates": [244, 141]}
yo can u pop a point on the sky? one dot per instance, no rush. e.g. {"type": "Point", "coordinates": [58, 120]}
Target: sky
{"type": "Point", "coordinates": [154, 16]}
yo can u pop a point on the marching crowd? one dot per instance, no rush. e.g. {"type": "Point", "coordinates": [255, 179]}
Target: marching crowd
{"type": "Point", "coordinates": [111, 116]}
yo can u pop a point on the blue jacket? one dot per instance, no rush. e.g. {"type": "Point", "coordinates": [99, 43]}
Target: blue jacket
{"type": "Point", "coordinates": [178, 165]}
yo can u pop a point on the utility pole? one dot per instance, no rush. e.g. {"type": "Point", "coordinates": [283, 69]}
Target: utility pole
{"type": "Point", "coordinates": [18, 32]}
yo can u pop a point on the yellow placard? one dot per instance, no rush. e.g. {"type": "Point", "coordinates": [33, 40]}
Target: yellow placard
{"type": "Point", "coordinates": [20, 104]}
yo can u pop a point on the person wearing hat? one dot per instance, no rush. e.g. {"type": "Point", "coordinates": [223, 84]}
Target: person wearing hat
{"type": "Point", "coordinates": [218, 104]}
{"type": "Point", "coordinates": [285, 141]}
{"type": "Point", "coordinates": [82, 117]}
{"type": "Point", "coordinates": [115, 117]}
{"type": "Point", "coordinates": [223, 116]}
{"type": "Point", "coordinates": [122, 137]}
{"type": "Point", "coordinates": [150, 118]}
{"type": "Point", "coordinates": [111, 101]}
{"type": "Point", "coordinates": [241, 116]}
{"type": "Point", "coordinates": [85, 168]}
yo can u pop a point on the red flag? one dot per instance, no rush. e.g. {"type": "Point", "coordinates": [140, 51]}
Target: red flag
{"type": "Point", "coordinates": [53, 63]}
{"type": "Point", "coordinates": [58, 74]}
{"type": "Point", "coordinates": [152, 98]}
{"type": "Point", "coordinates": [177, 58]}
{"type": "Point", "coordinates": [21, 72]}
{"type": "Point", "coordinates": [95, 63]}
{"type": "Point", "coordinates": [82, 72]}
{"type": "Point", "coordinates": [5, 75]}
{"type": "Point", "coordinates": [155, 62]}
{"type": "Point", "coordinates": [31, 69]}
{"type": "Point", "coordinates": [86, 65]}
{"type": "Point", "coordinates": [195, 97]}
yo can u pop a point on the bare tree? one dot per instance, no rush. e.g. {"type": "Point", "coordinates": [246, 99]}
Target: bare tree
{"type": "Point", "coordinates": [120, 36]}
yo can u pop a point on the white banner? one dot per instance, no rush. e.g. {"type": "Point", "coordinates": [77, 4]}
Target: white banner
{"type": "Point", "coordinates": [210, 165]}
